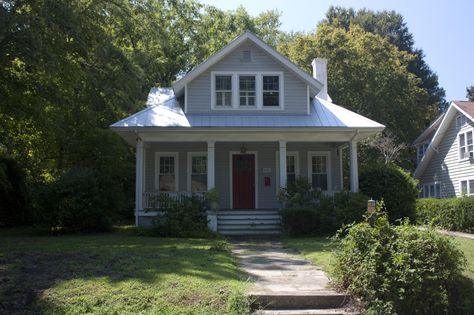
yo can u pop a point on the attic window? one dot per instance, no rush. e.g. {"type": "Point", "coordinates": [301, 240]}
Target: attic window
{"type": "Point", "coordinates": [460, 121]}
{"type": "Point", "coordinates": [246, 57]}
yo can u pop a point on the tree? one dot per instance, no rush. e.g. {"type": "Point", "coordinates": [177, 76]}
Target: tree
{"type": "Point", "coordinates": [388, 146]}
{"type": "Point", "coordinates": [391, 25]}
{"type": "Point", "coordinates": [470, 93]}
{"type": "Point", "coordinates": [368, 75]}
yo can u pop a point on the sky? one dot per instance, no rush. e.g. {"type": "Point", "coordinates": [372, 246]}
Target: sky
{"type": "Point", "coordinates": [443, 29]}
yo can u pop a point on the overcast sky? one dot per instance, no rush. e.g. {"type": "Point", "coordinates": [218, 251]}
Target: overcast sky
{"type": "Point", "coordinates": [443, 29]}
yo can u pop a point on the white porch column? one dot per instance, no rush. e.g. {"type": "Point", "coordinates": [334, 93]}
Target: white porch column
{"type": "Point", "coordinates": [282, 159]}
{"type": "Point", "coordinates": [211, 178]}
{"type": "Point", "coordinates": [138, 178]}
{"type": "Point", "coordinates": [354, 173]}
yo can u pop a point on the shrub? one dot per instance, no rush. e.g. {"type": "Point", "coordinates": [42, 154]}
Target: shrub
{"type": "Point", "coordinates": [299, 194]}
{"type": "Point", "coordinates": [326, 215]}
{"type": "Point", "coordinates": [456, 214]}
{"type": "Point", "coordinates": [398, 269]}
{"type": "Point", "coordinates": [73, 203]}
{"type": "Point", "coordinates": [392, 184]}
{"type": "Point", "coordinates": [14, 205]}
{"type": "Point", "coordinates": [186, 218]}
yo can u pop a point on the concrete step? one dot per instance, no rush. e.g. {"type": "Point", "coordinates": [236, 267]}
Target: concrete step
{"type": "Point", "coordinates": [330, 311]}
{"type": "Point", "coordinates": [249, 232]}
{"type": "Point", "coordinates": [299, 301]}
{"type": "Point", "coordinates": [247, 212]}
{"type": "Point", "coordinates": [249, 221]}
{"type": "Point", "coordinates": [249, 226]}
{"type": "Point", "coordinates": [248, 217]}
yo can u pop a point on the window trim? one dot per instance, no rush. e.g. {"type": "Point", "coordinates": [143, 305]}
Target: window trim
{"type": "Point", "coordinates": [428, 184]}
{"type": "Point", "coordinates": [465, 132]}
{"type": "Point", "coordinates": [327, 154]}
{"type": "Point", "coordinates": [258, 90]}
{"type": "Point", "coordinates": [469, 193]}
{"type": "Point", "coordinates": [157, 169]}
{"type": "Point", "coordinates": [296, 154]}
{"type": "Point", "coordinates": [189, 172]}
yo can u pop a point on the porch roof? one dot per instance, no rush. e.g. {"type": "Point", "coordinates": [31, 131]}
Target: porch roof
{"type": "Point", "coordinates": [168, 114]}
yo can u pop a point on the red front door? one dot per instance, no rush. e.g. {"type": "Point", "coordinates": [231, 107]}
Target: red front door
{"type": "Point", "coordinates": [243, 181]}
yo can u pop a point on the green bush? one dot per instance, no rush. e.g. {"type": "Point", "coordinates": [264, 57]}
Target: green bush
{"type": "Point", "coordinates": [392, 184]}
{"type": "Point", "coordinates": [399, 269]}
{"type": "Point", "coordinates": [14, 205]}
{"type": "Point", "coordinates": [455, 214]}
{"type": "Point", "coordinates": [299, 194]}
{"type": "Point", "coordinates": [73, 203]}
{"type": "Point", "coordinates": [326, 215]}
{"type": "Point", "coordinates": [186, 218]}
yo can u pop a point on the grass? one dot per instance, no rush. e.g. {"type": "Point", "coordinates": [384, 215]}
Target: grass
{"type": "Point", "coordinates": [467, 246]}
{"type": "Point", "coordinates": [114, 273]}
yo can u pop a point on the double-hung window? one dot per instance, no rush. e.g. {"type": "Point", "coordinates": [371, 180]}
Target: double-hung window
{"type": "Point", "coordinates": [467, 187]}
{"type": "Point", "coordinates": [460, 121]}
{"type": "Point", "coordinates": [167, 172]}
{"type": "Point", "coordinates": [198, 172]}
{"type": "Point", "coordinates": [421, 150]}
{"type": "Point", "coordinates": [271, 90]}
{"type": "Point", "coordinates": [465, 145]}
{"type": "Point", "coordinates": [318, 167]}
{"type": "Point", "coordinates": [223, 90]}
{"type": "Point", "coordinates": [247, 89]}
{"type": "Point", "coordinates": [291, 165]}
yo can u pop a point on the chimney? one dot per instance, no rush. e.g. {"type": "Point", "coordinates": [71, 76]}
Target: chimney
{"type": "Point", "coordinates": [320, 73]}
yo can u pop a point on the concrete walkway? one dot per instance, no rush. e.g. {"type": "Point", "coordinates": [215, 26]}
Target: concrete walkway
{"type": "Point", "coordinates": [460, 234]}
{"type": "Point", "coordinates": [283, 280]}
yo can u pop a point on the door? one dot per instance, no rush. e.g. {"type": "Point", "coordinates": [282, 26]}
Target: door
{"type": "Point", "coordinates": [243, 181]}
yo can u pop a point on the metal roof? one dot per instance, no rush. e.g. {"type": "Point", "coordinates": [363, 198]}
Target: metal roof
{"type": "Point", "coordinates": [169, 114]}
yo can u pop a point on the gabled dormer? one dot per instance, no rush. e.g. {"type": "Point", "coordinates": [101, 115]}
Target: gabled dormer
{"type": "Point", "coordinates": [247, 76]}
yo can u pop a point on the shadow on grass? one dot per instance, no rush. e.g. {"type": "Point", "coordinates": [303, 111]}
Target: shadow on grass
{"type": "Point", "coordinates": [30, 265]}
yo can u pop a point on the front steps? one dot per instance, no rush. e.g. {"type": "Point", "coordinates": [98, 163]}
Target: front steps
{"type": "Point", "coordinates": [249, 223]}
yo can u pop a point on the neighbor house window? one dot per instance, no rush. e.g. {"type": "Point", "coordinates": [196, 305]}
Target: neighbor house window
{"type": "Point", "coordinates": [431, 190]}
{"type": "Point", "coordinates": [460, 121]}
{"type": "Point", "coordinates": [271, 90]}
{"type": "Point", "coordinates": [247, 90]}
{"type": "Point", "coordinates": [319, 170]}
{"type": "Point", "coordinates": [467, 187]}
{"type": "Point", "coordinates": [167, 172]}
{"type": "Point", "coordinates": [421, 151]}
{"type": "Point", "coordinates": [223, 90]}
{"type": "Point", "coordinates": [465, 145]}
{"type": "Point", "coordinates": [198, 172]}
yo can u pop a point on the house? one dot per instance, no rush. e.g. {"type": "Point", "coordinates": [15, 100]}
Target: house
{"type": "Point", "coordinates": [445, 153]}
{"type": "Point", "coordinates": [246, 122]}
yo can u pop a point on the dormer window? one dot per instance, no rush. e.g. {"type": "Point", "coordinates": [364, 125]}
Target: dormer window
{"type": "Point", "coordinates": [271, 90]}
{"type": "Point", "coordinates": [223, 90]}
{"type": "Point", "coordinates": [247, 90]}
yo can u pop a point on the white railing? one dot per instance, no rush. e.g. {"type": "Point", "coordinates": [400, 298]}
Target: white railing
{"type": "Point", "coordinates": [157, 200]}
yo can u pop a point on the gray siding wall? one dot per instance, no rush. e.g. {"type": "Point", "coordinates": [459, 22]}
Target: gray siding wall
{"type": "Point", "coordinates": [266, 159]}
{"type": "Point", "coordinates": [295, 93]}
{"type": "Point", "coordinates": [445, 167]}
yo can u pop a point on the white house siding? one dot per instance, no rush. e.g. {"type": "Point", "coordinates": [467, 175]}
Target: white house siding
{"type": "Point", "coordinates": [266, 159]}
{"type": "Point", "coordinates": [445, 167]}
{"type": "Point", "coordinates": [295, 92]}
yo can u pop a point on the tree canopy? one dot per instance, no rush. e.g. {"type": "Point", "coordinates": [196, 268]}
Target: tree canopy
{"type": "Point", "coordinates": [470, 93]}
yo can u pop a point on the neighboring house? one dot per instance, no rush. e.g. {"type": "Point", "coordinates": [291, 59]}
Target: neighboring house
{"type": "Point", "coordinates": [445, 154]}
{"type": "Point", "coordinates": [246, 121]}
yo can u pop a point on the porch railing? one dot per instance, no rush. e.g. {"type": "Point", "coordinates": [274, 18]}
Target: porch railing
{"type": "Point", "coordinates": [160, 200]}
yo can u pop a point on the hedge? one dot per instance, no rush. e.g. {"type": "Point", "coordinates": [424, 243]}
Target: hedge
{"type": "Point", "coordinates": [455, 214]}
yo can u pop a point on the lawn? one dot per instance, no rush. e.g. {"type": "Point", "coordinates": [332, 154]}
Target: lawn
{"type": "Point", "coordinates": [319, 251]}
{"type": "Point", "coordinates": [114, 273]}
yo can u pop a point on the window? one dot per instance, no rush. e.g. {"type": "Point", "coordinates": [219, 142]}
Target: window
{"type": "Point", "coordinates": [271, 90]}
{"type": "Point", "coordinates": [467, 187]}
{"type": "Point", "coordinates": [465, 145]}
{"type": "Point", "coordinates": [197, 180]}
{"type": "Point", "coordinates": [167, 169]}
{"type": "Point", "coordinates": [460, 121]}
{"type": "Point", "coordinates": [223, 90]}
{"type": "Point", "coordinates": [431, 190]}
{"type": "Point", "coordinates": [421, 150]}
{"type": "Point", "coordinates": [247, 90]}
{"type": "Point", "coordinates": [319, 170]}
{"type": "Point", "coordinates": [291, 169]}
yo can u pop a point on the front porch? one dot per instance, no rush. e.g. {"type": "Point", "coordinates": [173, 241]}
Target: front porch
{"type": "Point", "coordinates": [247, 174]}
